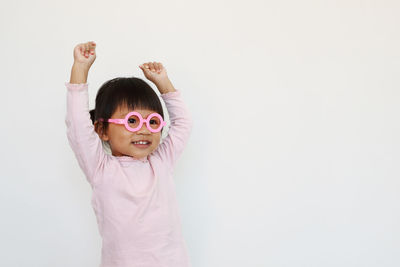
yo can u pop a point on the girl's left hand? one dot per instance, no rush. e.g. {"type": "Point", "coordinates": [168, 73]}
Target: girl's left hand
{"type": "Point", "coordinates": [155, 72]}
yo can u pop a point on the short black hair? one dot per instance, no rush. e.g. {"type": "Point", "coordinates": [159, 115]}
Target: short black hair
{"type": "Point", "coordinates": [131, 92]}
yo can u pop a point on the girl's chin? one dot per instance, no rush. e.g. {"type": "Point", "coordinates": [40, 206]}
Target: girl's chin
{"type": "Point", "coordinates": [141, 155]}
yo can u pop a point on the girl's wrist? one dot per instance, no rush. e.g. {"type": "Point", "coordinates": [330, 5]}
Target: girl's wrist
{"type": "Point", "coordinates": [80, 66]}
{"type": "Point", "coordinates": [165, 87]}
{"type": "Point", "coordinates": [79, 73]}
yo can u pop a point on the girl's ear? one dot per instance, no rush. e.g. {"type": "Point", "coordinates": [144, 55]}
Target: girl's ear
{"type": "Point", "coordinates": [99, 130]}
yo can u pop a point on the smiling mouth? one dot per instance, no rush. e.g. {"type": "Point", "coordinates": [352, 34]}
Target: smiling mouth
{"type": "Point", "coordinates": [141, 144]}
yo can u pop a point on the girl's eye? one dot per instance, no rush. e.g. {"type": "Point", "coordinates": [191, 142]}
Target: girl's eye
{"type": "Point", "coordinates": [153, 121]}
{"type": "Point", "coordinates": [131, 120]}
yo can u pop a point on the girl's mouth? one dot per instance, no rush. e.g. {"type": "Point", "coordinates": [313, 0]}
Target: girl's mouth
{"type": "Point", "coordinates": [141, 144]}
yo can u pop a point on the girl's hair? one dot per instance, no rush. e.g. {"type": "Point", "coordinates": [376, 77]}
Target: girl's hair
{"type": "Point", "coordinates": [124, 91]}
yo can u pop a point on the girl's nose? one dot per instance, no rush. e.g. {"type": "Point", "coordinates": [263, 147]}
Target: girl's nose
{"type": "Point", "coordinates": [144, 129]}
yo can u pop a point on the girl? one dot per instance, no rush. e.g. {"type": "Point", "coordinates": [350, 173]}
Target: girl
{"type": "Point", "coordinates": [133, 191]}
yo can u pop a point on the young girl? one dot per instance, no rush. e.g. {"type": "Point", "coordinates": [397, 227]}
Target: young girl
{"type": "Point", "coordinates": [133, 188]}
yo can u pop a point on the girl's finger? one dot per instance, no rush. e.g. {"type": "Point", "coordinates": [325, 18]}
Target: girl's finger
{"type": "Point", "coordinates": [87, 49]}
{"type": "Point", "coordinates": [156, 66]}
{"type": "Point", "coordinates": [92, 47]}
{"type": "Point", "coordinates": [84, 49]}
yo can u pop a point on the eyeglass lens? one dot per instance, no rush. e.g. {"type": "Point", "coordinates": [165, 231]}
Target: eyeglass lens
{"type": "Point", "coordinates": [133, 121]}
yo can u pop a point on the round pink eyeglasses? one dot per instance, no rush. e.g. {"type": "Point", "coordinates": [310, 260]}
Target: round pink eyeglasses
{"type": "Point", "coordinates": [133, 122]}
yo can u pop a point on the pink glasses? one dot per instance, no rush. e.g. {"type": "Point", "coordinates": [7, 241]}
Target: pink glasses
{"type": "Point", "coordinates": [133, 122]}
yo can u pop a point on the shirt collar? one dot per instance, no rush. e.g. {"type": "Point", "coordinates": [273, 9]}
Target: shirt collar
{"type": "Point", "coordinates": [130, 159]}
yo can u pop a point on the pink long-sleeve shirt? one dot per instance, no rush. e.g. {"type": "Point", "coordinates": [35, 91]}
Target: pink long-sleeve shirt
{"type": "Point", "coordinates": [134, 199]}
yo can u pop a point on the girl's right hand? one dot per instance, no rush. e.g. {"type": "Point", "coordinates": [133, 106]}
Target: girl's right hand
{"type": "Point", "coordinates": [85, 54]}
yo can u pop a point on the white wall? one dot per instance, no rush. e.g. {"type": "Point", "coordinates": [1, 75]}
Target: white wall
{"type": "Point", "coordinates": [294, 156]}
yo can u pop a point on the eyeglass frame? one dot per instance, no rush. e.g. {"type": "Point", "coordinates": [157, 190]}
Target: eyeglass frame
{"type": "Point", "coordinates": [124, 121]}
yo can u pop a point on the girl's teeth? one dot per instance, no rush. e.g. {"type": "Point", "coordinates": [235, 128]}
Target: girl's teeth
{"type": "Point", "coordinates": [141, 143]}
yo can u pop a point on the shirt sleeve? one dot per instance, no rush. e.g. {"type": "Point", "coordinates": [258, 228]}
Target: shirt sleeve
{"type": "Point", "coordinates": [179, 130]}
{"type": "Point", "coordinates": [84, 141]}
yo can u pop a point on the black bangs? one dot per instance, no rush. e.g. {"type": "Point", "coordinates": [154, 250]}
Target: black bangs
{"type": "Point", "coordinates": [131, 92]}
{"type": "Point", "coordinates": [139, 95]}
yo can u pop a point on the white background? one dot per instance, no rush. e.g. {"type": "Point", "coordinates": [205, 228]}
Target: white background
{"type": "Point", "coordinates": [294, 155]}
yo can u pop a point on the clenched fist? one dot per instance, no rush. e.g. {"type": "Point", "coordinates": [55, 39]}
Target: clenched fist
{"type": "Point", "coordinates": [154, 72]}
{"type": "Point", "coordinates": [85, 54]}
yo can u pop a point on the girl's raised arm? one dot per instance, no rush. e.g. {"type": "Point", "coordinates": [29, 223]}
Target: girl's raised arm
{"type": "Point", "coordinates": [181, 122]}
{"type": "Point", "coordinates": [82, 137]}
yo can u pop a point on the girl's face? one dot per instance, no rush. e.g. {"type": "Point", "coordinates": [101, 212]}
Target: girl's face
{"type": "Point", "coordinates": [121, 140]}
